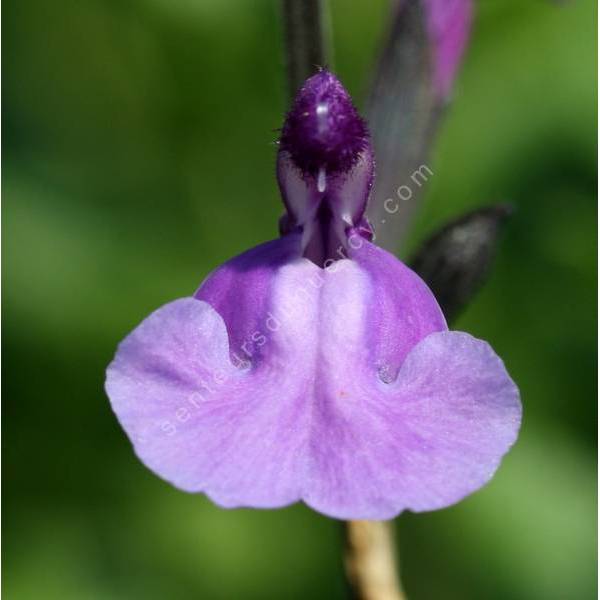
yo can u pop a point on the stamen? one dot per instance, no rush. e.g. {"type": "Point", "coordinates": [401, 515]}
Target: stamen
{"type": "Point", "coordinates": [322, 180]}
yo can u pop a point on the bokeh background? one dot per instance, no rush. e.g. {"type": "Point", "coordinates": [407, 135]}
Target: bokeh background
{"type": "Point", "coordinates": [138, 156]}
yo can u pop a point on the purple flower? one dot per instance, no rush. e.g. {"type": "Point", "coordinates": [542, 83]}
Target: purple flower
{"type": "Point", "coordinates": [316, 367]}
{"type": "Point", "coordinates": [448, 25]}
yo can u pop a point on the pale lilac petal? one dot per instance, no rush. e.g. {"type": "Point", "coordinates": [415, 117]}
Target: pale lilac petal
{"type": "Point", "coordinates": [197, 421]}
{"type": "Point", "coordinates": [401, 308]}
{"type": "Point", "coordinates": [424, 442]}
{"type": "Point", "coordinates": [311, 418]}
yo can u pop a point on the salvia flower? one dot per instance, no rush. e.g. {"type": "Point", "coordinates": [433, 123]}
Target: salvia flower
{"type": "Point", "coordinates": [316, 367]}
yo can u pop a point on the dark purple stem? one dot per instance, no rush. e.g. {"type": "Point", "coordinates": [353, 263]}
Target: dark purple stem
{"type": "Point", "coordinates": [307, 47]}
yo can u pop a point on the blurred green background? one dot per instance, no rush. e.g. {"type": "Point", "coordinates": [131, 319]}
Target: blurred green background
{"type": "Point", "coordinates": [138, 156]}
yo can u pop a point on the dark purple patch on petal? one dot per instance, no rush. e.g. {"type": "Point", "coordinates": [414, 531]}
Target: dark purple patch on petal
{"type": "Point", "coordinates": [240, 291]}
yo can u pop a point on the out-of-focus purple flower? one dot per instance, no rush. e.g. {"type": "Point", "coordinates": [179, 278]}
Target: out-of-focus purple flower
{"type": "Point", "coordinates": [316, 367]}
{"type": "Point", "coordinates": [412, 84]}
{"type": "Point", "coordinates": [448, 25]}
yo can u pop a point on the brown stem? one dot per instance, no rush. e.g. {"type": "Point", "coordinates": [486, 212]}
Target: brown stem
{"type": "Point", "coordinates": [370, 561]}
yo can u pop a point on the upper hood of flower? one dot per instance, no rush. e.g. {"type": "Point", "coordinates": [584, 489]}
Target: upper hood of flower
{"type": "Point", "coordinates": [324, 167]}
{"type": "Point", "coordinates": [323, 130]}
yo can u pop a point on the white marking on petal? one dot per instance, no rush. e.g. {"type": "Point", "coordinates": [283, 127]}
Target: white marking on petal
{"type": "Point", "coordinates": [343, 319]}
{"type": "Point", "coordinates": [322, 180]}
{"type": "Point", "coordinates": [295, 308]}
{"type": "Point", "coordinates": [322, 113]}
